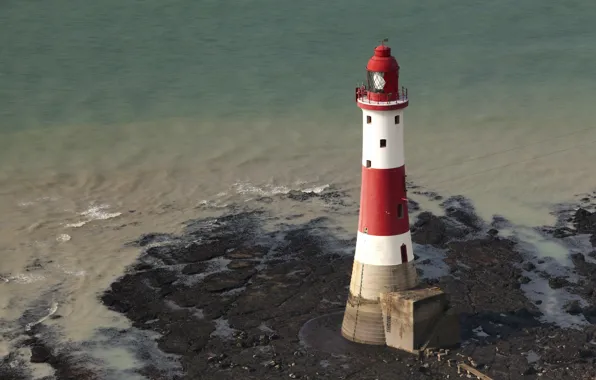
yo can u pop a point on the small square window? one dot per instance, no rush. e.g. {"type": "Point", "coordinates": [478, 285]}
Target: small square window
{"type": "Point", "coordinates": [383, 143]}
{"type": "Point", "coordinates": [400, 210]}
{"type": "Point", "coordinates": [368, 120]}
{"type": "Point", "coordinates": [368, 164]}
{"type": "Point", "coordinates": [396, 119]}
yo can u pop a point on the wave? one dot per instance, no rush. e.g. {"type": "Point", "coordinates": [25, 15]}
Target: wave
{"type": "Point", "coordinates": [94, 213]}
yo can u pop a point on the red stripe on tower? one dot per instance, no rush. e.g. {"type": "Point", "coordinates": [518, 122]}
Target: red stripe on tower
{"type": "Point", "coordinates": [383, 203]}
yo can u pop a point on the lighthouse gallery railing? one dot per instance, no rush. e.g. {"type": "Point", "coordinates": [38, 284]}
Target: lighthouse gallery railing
{"type": "Point", "coordinates": [362, 95]}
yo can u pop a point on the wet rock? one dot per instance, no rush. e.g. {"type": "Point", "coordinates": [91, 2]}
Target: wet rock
{"type": "Point", "coordinates": [529, 371]}
{"type": "Point", "coordinates": [413, 205]}
{"type": "Point", "coordinates": [165, 253]}
{"type": "Point", "coordinates": [219, 282]}
{"type": "Point", "coordinates": [557, 282]}
{"type": "Point", "coordinates": [578, 258]}
{"type": "Point", "coordinates": [528, 266]}
{"type": "Point", "coordinates": [430, 230]}
{"type": "Point", "coordinates": [40, 354]}
{"type": "Point", "coordinates": [584, 221]}
{"type": "Point", "coordinates": [194, 268]}
{"type": "Point", "coordinates": [196, 252]}
{"type": "Point", "coordinates": [161, 277]}
{"type": "Point", "coordinates": [563, 232]}
{"type": "Point", "coordinates": [493, 232]}
{"type": "Point", "coordinates": [152, 238]}
{"type": "Point", "coordinates": [300, 195]}
{"type": "Point", "coordinates": [524, 280]}
{"type": "Point", "coordinates": [586, 353]}
{"type": "Point", "coordinates": [573, 308]}
{"type": "Point", "coordinates": [241, 264]}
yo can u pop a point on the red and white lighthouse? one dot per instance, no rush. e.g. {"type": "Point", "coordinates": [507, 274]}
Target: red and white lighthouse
{"type": "Point", "coordinates": [384, 257]}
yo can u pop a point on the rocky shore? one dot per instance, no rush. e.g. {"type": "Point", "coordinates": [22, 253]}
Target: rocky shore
{"type": "Point", "coordinates": [231, 298]}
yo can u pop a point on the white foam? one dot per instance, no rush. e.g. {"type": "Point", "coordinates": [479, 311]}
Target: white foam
{"type": "Point", "coordinates": [94, 213]}
{"type": "Point", "coordinates": [51, 311]}
{"type": "Point", "coordinates": [435, 267]}
{"type": "Point", "coordinates": [532, 356]}
{"type": "Point", "coordinates": [556, 262]}
{"type": "Point", "coordinates": [63, 237]}
{"type": "Point", "coordinates": [22, 278]}
{"type": "Point", "coordinates": [316, 189]}
{"type": "Point", "coordinates": [223, 329]}
{"type": "Point", "coordinates": [479, 331]}
{"type": "Point", "coordinates": [248, 188]}
{"type": "Point", "coordinates": [266, 190]}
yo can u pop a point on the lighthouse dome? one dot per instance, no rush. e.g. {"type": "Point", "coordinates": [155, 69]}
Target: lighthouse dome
{"type": "Point", "coordinates": [383, 72]}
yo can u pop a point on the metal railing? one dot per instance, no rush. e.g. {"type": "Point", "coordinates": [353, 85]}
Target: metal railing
{"type": "Point", "coordinates": [363, 91]}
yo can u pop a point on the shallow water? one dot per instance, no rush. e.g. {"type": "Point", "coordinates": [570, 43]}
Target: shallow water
{"type": "Point", "coordinates": [123, 118]}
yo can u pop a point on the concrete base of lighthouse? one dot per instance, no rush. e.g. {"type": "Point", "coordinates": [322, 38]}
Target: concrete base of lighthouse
{"type": "Point", "coordinates": [419, 319]}
{"type": "Point", "coordinates": [363, 318]}
{"type": "Point", "coordinates": [386, 307]}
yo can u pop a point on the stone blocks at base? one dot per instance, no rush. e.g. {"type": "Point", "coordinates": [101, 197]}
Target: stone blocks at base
{"type": "Point", "coordinates": [419, 318]}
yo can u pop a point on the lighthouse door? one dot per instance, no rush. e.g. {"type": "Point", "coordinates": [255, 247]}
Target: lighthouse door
{"type": "Point", "coordinates": [404, 254]}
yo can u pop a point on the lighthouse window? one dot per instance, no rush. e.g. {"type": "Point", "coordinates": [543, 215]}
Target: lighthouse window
{"type": "Point", "coordinates": [400, 210]}
{"type": "Point", "coordinates": [404, 254]}
{"type": "Point", "coordinates": [383, 143]}
{"type": "Point", "coordinates": [368, 164]}
{"type": "Point", "coordinates": [376, 81]}
{"type": "Point", "coordinates": [396, 119]}
{"type": "Point", "coordinates": [368, 120]}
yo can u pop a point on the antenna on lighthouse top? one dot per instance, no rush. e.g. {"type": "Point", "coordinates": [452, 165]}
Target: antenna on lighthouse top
{"type": "Point", "coordinates": [384, 40]}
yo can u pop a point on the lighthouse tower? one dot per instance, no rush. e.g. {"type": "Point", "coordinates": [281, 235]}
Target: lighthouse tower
{"type": "Point", "coordinates": [384, 257]}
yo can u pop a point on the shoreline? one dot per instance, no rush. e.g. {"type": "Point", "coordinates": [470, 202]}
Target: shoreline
{"type": "Point", "coordinates": [229, 297]}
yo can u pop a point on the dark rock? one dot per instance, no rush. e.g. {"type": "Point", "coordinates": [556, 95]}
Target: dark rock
{"type": "Point", "coordinates": [573, 308]}
{"type": "Point", "coordinates": [40, 354]}
{"type": "Point", "coordinates": [578, 258]}
{"type": "Point", "coordinates": [584, 221]}
{"type": "Point", "coordinates": [557, 282]}
{"type": "Point", "coordinates": [563, 232]}
{"type": "Point", "coordinates": [194, 268]}
{"type": "Point", "coordinates": [165, 253]}
{"type": "Point", "coordinates": [241, 264]}
{"type": "Point", "coordinates": [152, 238]}
{"type": "Point", "coordinates": [430, 230]}
{"type": "Point", "coordinates": [493, 232]}
{"type": "Point", "coordinates": [196, 252]}
{"type": "Point", "coordinates": [528, 266]}
{"type": "Point", "coordinates": [529, 371]}
{"type": "Point", "coordinates": [584, 354]}
{"type": "Point", "coordinates": [413, 205]}
{"type": "Point", "coordinates": [524, 280]}
{"type": "Point", "coordinates": [219, 282]}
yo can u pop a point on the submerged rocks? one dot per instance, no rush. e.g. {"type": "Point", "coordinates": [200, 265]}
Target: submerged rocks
{"type": "Point", "coordinates": [557, 282]}
{"type": "Point", "coordinates": [236, 287]}
{"type": "Point", "coordinates": [573, 308]}
{"type": "Point", "coordinates": [585, 221]}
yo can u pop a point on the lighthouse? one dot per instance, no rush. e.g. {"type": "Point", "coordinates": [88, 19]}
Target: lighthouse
{"type": "Point", "coordinates": [383, 260]}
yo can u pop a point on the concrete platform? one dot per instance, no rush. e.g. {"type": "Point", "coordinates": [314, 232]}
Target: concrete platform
{"type": "Point", "coordinates": [419, 318]}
